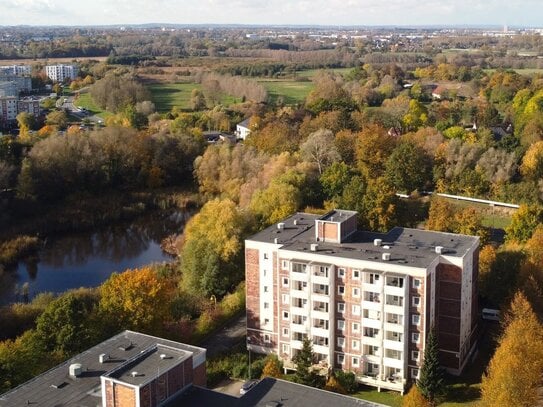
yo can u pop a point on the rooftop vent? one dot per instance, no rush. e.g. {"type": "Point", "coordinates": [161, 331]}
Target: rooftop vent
{"type": "Point", "coordinates": [280, 226]}
{"type": "Point", "coordinates": [314, 247]}
{"type": "Point", "coordinates": [276, 240]}
{"type": "Point", "coordinates": [377, 242]}
{"type": "Point", "coordinates": [386, 256]}
{"type": "Point", "coordinates": [386, 247]}
{"type": "Point", "coordinates": [295, 222]}
{"type": "Point", "coordinates": [331, 218]}
{"type": "Point", "coordinates": [75, 370]}
{"type": "Point", "coordinates": [164, 356]}
{"type": "Point", "coordinates": [134, 374]}
{"type": "Point", "coordinates": [440, 249]}
{"type": "Point", "coordinates": [126, 346]}
{"type": "Point", "coordinates": [59, 385]}
{"type": "Point", "coordinates": [103, 357]}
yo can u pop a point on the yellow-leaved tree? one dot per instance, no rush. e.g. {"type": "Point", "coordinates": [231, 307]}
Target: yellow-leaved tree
{"type": "Point", "coordinates": [136, 299]}
{"type": "Point", "coordinates": [414, 398]}
{"type": "Point", "coordinates": [514, 372]}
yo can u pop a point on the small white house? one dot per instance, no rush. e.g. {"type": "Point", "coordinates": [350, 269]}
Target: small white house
{"type": "Point", "coordinates": [242, 130]}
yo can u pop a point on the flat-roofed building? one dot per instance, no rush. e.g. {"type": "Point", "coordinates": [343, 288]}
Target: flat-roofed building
{"type": "Point", "coordinates": [366, 300]}
{"type": "Point", "coordinates": [58, 73]}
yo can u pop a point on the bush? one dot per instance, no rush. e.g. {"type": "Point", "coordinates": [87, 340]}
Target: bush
{"type": "Point", "coordinates": [347, 380]}
{"type": "Point", "coordinates": [12, 250]}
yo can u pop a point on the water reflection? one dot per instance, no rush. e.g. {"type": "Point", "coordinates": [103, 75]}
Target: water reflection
{"type": "Point", "coordinates": [87, 259]}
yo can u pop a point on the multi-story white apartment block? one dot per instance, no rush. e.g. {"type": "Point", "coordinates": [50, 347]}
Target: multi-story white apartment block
{"type": "Point", "coordinates": [30, 105]}
{"type": "Point", "coordinates": [18, 70]}
{"type": "Point", "coordinates": [21, 83]}
{"type": "Point", "coordinates": [8, 109]}
{"type": "Point", "coordinates": [58, 73]}
{"type": "Point", "coordinates": [366, 300]}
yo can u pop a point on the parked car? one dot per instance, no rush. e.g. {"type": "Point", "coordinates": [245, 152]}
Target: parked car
{"type": "Point", "coordinates": [248, 385]}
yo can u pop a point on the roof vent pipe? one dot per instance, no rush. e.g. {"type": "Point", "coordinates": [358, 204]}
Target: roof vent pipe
{"type": "Point", "coordinates": [103, 357]}
{"type": "Point", "coordinates": [295, 222]}
{"type": "Point", "coordinates": [314, 247]}
{"type": "Point", "coordinates": [75, 370]}
{"type": "Point", "coordinates": [377, 242]}
{"type": "Point", "coordinates": [280, 226]}
{"type": "Point", "coordinates": [386, 256]}
{"type": "Point", "coordinates": [276, 240]}
{"type": "Point", "coordinates": [440, 249]}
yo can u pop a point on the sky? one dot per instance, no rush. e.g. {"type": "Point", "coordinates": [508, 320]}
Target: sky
{"type": "Point", "coordinates": [280, 12]}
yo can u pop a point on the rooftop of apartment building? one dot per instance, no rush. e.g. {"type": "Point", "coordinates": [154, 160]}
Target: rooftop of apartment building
{"type": "Point", "coordinates": [406, 246]}
{"type": "Point", "coordinates": [116, 357]}
{"type": "Point", "coordinates": [269, 392]}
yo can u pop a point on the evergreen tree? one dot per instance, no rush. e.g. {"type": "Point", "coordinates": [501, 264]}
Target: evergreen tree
{"type": "Point", "coordinates": [431, 383]}
{"type": "Point", "coordinates": [304, 362]}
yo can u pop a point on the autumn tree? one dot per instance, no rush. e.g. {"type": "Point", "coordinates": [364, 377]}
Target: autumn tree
{"type": "Point", "coordinates": [441, 216]}
{"type": "Point", "coordinates": [532, 162]}
{"type": "Point", "coordinates": [373, 147]}
{"type": "Point", "coordinates": [380, 205]}
{"type": "Point", "coordinates": [513, 377]}
{"type": "Point", "coordinates": [431, 382]}
{"type": "Point", "coordinates": [333, 384]}
{"type": "Point", "coordinates": [57, 118]}
{"type": "Point", "coordinates": [414, 398]}
{"type": "Point", "coordinates": [211, 255]}
{"type": "Point", "coordinates": [524, 222]}
{"type": "Point", "coordinates": [135, 299]}
{"type": "Point", "coordinates": [197, 100]}
{"type": "Point", "coordinates": [319, 149]}
{"type": "Point", "coordinates": [408, 168]}
{"type": "Point", "coordinates": [272, 368]}
{"type": "Point", "coordinates": [487, 259]}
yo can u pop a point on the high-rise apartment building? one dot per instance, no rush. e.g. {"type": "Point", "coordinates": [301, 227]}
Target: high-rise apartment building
{"type": "Point", "coordinates": [366, 300]}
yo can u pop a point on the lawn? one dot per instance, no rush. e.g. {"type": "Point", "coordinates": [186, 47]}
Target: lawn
{"type": "Point", "coordinates": [496, 218]}
{"type": "Point", "coordinates": [310, 73]}
{"type": "Point", "coordinates": [166, 96]}
{"type": "Point", "coordinates": [85, 100]}
{"type": "Point", "coordinates": [292, 92]}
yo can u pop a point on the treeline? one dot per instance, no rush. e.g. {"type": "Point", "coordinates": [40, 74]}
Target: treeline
{"type": "Point", "coordinates": [315, 59]}
{"type": "Point", "coordinates": [105, 159]}
{"type": "Point", "coordinates": [245, 89]}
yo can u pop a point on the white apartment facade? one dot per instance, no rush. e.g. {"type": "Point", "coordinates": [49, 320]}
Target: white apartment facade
{"type": "Point", "coordinates": [58, 73]}
{"type": "Point", "coordinates": [366, 300]}
{"type": "Point", "coordinates": [17, 70]}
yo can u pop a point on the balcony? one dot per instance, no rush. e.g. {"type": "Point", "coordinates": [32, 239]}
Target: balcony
{"type": "Point", "coordinates": [320, 271]}
{"type": "Point", "coordinates": [390, 383]}
{"type": "Point", "coordinates": [320, 341]}
{"type": "Point", "coordinates": [320, 289]}
{"type": "Point", "coordinates": [320, 323]}
{"type": "Point", "coordinates": [394, 300]}
{"type": "Point", "coordinates": [320, 306]}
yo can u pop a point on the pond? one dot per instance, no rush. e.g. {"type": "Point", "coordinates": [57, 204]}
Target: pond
{"type": "Point", "coordinates": [88, 259]}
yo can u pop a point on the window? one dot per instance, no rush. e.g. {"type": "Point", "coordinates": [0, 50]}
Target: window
{"type": "Point", "coordinates": [415, 373]}
{"type": "Point", "coordinates": [356, 292]}
{"type": "Point", "coordinates": [415, 319]}
{"type": "Point", "coordinates": [286, 332]}
{"type": "Point", "coordinates": [340, 359]}
{"type": "Point", "coordinates": [265, 288]}
{"type": "Point", "coordinates": [356, 274]}
{"type": "Point", "coordinates": [284, 298]}
{"type": "Point", "coordinates": [285, 281]}
{"type": "Point", "coordinates": [264, 273]}
{"type": "Point", "coordinates": [341, 289]}
{"type": "Point", "coordinates": [416, 283]}
{"type": "Point", "coordinates": [265, 256]}
{"type": "Point", "coordinates": [266, 321]}
{"type": "Point", "coordinates": [356, 309]}
{"type": "Point", "coordinates": [285, 348]}
{"type": "Point", "coordinates": [341, 307]}
{"type": "Point", "coordinates": [373, 278]}
{"type": "Point", "coordinates": [284, 264]}
{"type": "Point", "coordinates": [340, 342]}
{"type": "Point", "coordinates": [415, 337]}
{"type": "Point", "coordinates": [415, 301]}
{"type": "Point", "coordinates": [341, 273]}
{"type": "Point", "coordinates": [355, 362]}
{"type": "Point", "coordinates": [285, 315]}
{"type": "Point", "coordinates": [415, 354]}
{"type": "Point", "coordinates": [355, 344]}
{"type": "Point", "coordinates": [266, 338]}
{"type": "Point", "coordinates": [340, 324]}
{"type": "Point", "coordinates": [356, 327]}
{"type": "Point", "coordinates": [266, 305]}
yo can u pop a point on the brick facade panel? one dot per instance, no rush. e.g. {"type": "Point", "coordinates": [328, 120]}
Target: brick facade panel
{"type": "Point", "coordinates": [252, 287]}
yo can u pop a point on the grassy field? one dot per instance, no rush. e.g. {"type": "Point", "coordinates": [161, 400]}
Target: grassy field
{"type": "Point", "coordinates": [310, 73]}
{"type": "Point", "coordinates": [497, 218]}
{"type": "Point", "coordinates": [522, 71]}
{"type": "Point", "coordinates": [85, 100]}
{"type": "Point", "coordinates": [292, 92]}
{"type": "Point", "coordinates": [165, 96]}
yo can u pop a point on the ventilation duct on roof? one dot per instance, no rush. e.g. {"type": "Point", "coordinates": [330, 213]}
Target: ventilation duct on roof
{"type": "Point", "coordinates": [377, 242]}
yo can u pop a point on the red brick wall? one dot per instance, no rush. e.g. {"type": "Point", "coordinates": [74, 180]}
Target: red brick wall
{"type": "Point", "coordinates": [252, 287]}
{"type": "Point", "coordinates": [422, 310]}
{"type": "Point", "coordinates": [124, 396]}
{"type": "Point", "coordinates": [449, 291]}
{"type": "Point", "coordinates": [109, 394]}
{"type": "Point", "coordinates": [200, 375]}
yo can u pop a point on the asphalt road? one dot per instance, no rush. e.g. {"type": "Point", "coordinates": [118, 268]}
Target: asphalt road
{"type": "Point", "coordinates": [227, 337]}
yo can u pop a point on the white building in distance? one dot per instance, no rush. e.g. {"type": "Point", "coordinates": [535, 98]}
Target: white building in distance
{"type": "Point", "coordinates": [58, 73]}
